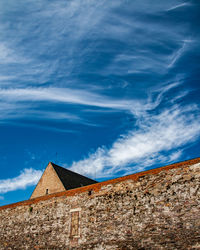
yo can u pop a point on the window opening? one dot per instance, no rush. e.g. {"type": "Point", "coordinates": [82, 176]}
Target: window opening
{"type": "Point", "coordinates": [74, 224]}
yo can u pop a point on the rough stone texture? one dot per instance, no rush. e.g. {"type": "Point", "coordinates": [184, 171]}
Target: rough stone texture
{"type": "Point", "coordinates": [157, 209]}
{"type": "Point", "coordinates": [50, 181]}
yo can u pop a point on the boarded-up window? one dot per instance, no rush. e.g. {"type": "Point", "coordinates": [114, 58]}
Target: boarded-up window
{"type": "Point", "coordinates": [74, 231]}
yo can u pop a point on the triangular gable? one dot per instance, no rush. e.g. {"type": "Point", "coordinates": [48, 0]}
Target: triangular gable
{"type": "Point", "coordinates": [49, 183]}
{"type": "Point", "coordinates": [57, 179]}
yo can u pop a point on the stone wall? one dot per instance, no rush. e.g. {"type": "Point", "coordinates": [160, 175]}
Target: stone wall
{"type": "Point", "coordinates": [156, 209]}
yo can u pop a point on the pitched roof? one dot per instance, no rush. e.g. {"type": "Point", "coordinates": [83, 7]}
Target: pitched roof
{"type": "Point", "coordinates": [71, 179]}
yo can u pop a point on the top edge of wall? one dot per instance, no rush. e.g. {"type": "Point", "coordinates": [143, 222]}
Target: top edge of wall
{"type": "Point", "coordinates": [97, 186]}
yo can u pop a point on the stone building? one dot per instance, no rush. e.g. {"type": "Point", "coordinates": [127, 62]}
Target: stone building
{"type": "Point", "coordinates": [56, 179]}
{"type": "Point", "coordinates": [156, 209]}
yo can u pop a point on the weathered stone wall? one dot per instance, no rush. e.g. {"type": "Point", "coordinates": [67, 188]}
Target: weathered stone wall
{"type": "Point", "coordinates": [157, 209]}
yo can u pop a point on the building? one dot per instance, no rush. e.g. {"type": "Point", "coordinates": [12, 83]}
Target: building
{"type": "Point", "coordinates": [154, 209]}
{"type": "Point", "coordinates": [56, 179]}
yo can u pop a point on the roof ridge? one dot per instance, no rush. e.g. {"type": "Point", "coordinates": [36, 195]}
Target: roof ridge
{"type": "Point", "coordinates": [72, 172]}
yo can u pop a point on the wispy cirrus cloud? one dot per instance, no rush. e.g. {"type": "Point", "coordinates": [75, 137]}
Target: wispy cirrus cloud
{"type": "Point", "coordinates": [100, 54]}
{"type": "Point", "coordinates": [36, 41]}
{"type": "Point", "coordinates": [177, 54]}
{"type": "Point", "coordinates": [27, 177]}
{"type": "Point", "coordinates": [17, 103]}
{"type": "Point", "coordinates": [64, 95]}
{"type": "Point", "coordinates": [20, 102]}
{"type": "Point", "coordinates": [8, 56]}
{"type": "Point", "coordinates": [179, 6]}
{"type": "Point", "coordinates": [159, 138]}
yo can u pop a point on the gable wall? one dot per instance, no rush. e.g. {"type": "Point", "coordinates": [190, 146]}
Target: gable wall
{"type": "Point", "coordinates": [159, 210]}
{"type": "Point", "coordinates": [50, 181]}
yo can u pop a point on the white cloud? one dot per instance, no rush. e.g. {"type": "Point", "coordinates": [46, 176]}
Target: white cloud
{"type": "Point", "coordinates": [176, 55]}
{"type": "Point", "coordinates": [28, 102]}
{"type": "Point", "coordinates": [36, 35]}
{"type": "Point", "coordinates": [175, 155]}
{"type": "Point", "coordinates": [48, 30]}
{"type": "Point", "coordinates": [7, 55]}
{"type": "Point", "coordinates": [23, 102]}
{"type": "Point", "coordinates": [64, 95]}
{"type": "Point", "coordinates": [27, 177]}
{"type": "Point", "coordinates": [57, 40]}
{"type": "Point", "coordinates": [168, 130]}
{"type": "Point", "coordinates": [156, 136]}
{"type": "Point", "coordinates": [19, 103]}
{"type": "Point", "coordinates": [179, 6]}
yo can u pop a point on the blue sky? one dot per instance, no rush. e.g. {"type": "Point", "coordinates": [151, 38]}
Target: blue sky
{"type": "Point", "coordinates": [105, 88]}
